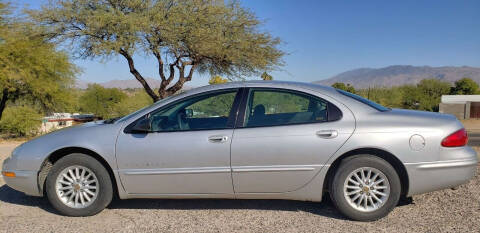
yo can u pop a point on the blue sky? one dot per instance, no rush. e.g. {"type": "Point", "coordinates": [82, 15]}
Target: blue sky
{"type": "Point", "coordinates": [324, 38]}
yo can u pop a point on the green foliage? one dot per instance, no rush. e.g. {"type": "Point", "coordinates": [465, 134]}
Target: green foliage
{"type": "Point", "coordinates": [344, 87]}
{"type": "Point", "coordinates": [184, 36]}
{"type": "Point", "coordinates": [31, 69]}
{"type": "Point", "coordinates": [136, 100]}
{"type": "Point", "coordinates": [390, 97]}
{"type": "Point", "coordinates": [20, 121]}
{"type": "Point", "coordinates": [265, 76]}
{"type": "Point", "coordinates": [219, 105]}
{"type": "Point", "coordinates": [217, 79]}
{"type": "Point", "coordinates": [428, 94]}
{"type": "Point", "coordinates": [425, 95]}
{"type": "Point", "coordinates": [5, 11]}
{"type": "Point", "coordinates": [465, 86]}
{"type": "Point", "coordinates": [289, 102]}
{"type": "Point", "coordinates": [101, 101]}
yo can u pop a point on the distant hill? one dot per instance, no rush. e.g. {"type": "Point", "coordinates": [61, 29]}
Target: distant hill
{"type": "Point", "coordinates": [121, 84]}
{"type": "Point", "coordinates": [401, 74]}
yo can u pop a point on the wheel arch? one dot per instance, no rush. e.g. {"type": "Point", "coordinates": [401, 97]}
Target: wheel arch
{"type": "Point", "coordinates": [60, 153]}
{"type": "Point", "coordinates": [387, 156]}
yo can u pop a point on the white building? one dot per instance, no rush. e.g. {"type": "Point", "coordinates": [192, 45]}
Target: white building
{"type": "Point", "coordinates": [462, 106]}
{"type": "Point", "coordinates": [62, 120]}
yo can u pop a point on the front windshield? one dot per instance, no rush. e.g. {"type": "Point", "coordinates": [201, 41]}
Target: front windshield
{"type": "Point", "coordinates": [365, 101]}
{"type": "Point", "coordinates": [126, 117]}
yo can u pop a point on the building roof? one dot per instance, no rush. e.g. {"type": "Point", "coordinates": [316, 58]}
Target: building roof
{"type": "Point", "coordinates": [460, 99]}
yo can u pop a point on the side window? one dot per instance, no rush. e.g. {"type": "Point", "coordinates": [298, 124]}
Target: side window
{"type": "Point", "coordinates": [277, 107]}
{"type": "Point", "coordinates": [210, 111]}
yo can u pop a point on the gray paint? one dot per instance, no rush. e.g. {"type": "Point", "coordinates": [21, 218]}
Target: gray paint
{"type": "Point", "coordinates": [279, 162]}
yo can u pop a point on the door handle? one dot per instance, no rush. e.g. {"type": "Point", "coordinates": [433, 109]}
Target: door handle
{"type": "Point", "coordinates": [327, 133]}
{"type": "Point", "coordinates": [218, 138]}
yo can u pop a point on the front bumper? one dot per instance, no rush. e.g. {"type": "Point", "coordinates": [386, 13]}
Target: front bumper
{"type": "Point", "coordinates": [24, 181]}
{"type": "Point", "coordinates": [431, 176]}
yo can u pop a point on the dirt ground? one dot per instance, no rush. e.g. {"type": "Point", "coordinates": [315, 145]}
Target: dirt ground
{"type": "Point", "coordinates": [441, 211]}
{"type": "Point", "coordinates": [471, 124]}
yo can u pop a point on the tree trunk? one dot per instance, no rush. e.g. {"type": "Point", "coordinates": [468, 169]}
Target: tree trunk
{"type": "Point", "coordinates": [3, 101]}
{"type": "Point", "coordinates": [139, 77]}
{"type": "Point", "coordinates": [165, 92]}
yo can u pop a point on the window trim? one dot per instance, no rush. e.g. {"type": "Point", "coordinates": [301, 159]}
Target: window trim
{"type": "Point", "coordinates": [232, 118]}
{"type": "Point", "coordinates": [243, 107]}
{"type": "Point", "coordinates": [364, 101]}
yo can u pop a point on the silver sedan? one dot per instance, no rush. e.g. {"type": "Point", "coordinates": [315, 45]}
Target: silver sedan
{"type": "Point", "coordinates": [249, 140]}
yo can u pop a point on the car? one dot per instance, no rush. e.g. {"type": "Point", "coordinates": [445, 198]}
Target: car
{"type": "Point", "coordinates": [249, 140]}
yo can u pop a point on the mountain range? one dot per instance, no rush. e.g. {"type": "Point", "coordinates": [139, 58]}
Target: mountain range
{"type": "Point", "coordinates": [389, 76]}
{"type": "Point", "coordinates": [401, 74]}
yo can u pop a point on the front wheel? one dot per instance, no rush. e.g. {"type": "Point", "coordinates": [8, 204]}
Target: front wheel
{"type": "Point", "coordinates": [365, 188]}
{"type": "Point", "coordinates": [79, 185]}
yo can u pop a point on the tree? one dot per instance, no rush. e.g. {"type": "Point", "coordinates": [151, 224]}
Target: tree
{"type": "Point", "coordinates": [31, 69]}
{"type": "Point", "coordinates": [426, 95]}
{"type": "Point", "coordinates": [217, 79]}
{"type": "Point", "coordinates": [265, 76]}
{"type": "Point", "coordinates": [101, 101]}
{"type": "Point", "coordinates": [344, 87]}
{"type": "Point", "coordinates": [465, 86]}
{"type": "Point", "coordinates": [183, 36]}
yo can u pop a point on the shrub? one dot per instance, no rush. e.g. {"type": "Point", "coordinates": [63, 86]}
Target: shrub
{"type": "Point", "coordinates": [135, 101]}
{"type": "Point", "coordinates": [20, 121]}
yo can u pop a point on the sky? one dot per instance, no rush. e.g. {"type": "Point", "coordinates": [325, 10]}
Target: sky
{"type": "Point", "coordinates": [325, 38]}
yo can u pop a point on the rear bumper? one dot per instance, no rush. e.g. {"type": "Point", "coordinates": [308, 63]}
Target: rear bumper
{"type": "Point", "coordinates": [431, 176]}
{"type": "Point", "coordinates": [24, 181]}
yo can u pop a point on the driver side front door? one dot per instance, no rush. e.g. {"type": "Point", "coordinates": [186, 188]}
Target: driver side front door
{"type": "Point", "coordinates": [187, 150]}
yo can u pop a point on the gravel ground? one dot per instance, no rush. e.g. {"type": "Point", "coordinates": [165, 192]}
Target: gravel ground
{"type": "Point", "coordinates": [441, 211]}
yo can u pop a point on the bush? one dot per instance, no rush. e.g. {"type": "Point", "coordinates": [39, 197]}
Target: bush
{"type": "Point", "coordinates": [101, 101]}
{"type": "Point", "coordinates": [20, 121]}
{"type": "Point", "coordinates": [135, 101]}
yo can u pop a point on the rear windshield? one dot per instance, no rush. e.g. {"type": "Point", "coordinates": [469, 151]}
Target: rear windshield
{"type": "Point", "coordinates": [364, 100]}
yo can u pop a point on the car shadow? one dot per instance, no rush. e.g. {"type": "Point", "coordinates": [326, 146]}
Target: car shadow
{"type": "Point", "coordinates": [9, 195]}
{"type": "Point", "coordinates": [324, 208]}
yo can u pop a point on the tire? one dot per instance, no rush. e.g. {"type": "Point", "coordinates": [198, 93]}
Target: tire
{"type": "Point", "coordinates": [99, 183]}
{"type": "Point", "coordinates": [344, 191]}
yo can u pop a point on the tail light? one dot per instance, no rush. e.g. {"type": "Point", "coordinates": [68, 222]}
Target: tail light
{"type": "Point", "coordinates": [459, 138]}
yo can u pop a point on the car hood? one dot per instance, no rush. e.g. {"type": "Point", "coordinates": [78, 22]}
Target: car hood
{"type": "Point", "coordinates": [94, 136]}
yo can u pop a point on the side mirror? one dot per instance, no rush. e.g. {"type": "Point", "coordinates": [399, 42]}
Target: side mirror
{"type": "Point", "coordinates": [142, 126]}
{"type": "Point", "coordinates": [189, 113]}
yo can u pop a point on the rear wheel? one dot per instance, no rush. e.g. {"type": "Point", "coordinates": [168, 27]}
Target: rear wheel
{"type": "Point", "coordinates": [365, 188]}
{"type": "Point", "coordinates": [79, 185]}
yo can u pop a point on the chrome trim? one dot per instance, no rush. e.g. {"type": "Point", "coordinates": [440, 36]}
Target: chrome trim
{"type": "Point", "coordinates": [445, 164]}
{"type": "Point", "coordinates": [277, 168]}
{"type": "Point", "coordinates": [167, 171]}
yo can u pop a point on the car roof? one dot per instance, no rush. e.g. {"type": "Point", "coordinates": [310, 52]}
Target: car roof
{"type": "Point", "coordinates": [266, 84]}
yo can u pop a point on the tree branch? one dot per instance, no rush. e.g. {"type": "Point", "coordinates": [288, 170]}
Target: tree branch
{"type": "Point", "coordinates": [160, 64]}
{"type": "Point", "coordinates": [156, 52]}
{"type": "Point", "coordinates": [138, 76]}
{"type": "Point", "coordinates": [182, 79]}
